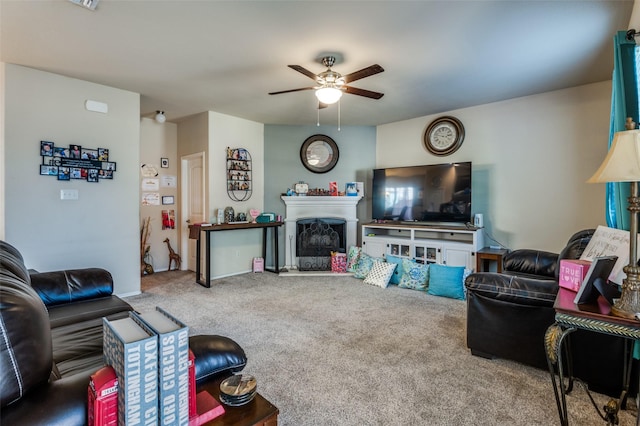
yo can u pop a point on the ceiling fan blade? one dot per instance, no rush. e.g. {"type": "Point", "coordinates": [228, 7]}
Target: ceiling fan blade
{"type": "Point", "coordinates": [362, 92]}
{"type": "Point", "coordinates": [365, 72]}
{"type": "Point", "coordinates": [292, 90]}
{"type": "Point", "coordinates": [304, 71]}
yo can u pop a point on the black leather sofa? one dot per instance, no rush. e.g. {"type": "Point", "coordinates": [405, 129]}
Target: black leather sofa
{"type": "Point", "coordinates": [51, 341]}
{"type": "Point", "coordinates": [508, 314]}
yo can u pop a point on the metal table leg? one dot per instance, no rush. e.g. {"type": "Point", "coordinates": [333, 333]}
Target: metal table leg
{"type": "Point", "coordinates": [553, 339]}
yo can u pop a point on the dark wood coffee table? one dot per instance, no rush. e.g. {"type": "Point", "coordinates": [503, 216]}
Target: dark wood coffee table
{"type": "Point", "coordinates": [259, 412]}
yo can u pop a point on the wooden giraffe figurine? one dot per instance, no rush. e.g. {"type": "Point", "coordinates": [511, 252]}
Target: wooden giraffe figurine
{"type": "Point", "coordinates": [173, 256]}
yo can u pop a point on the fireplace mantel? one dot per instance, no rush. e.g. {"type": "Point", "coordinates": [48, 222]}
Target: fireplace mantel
{"type": "Point", "coordinates": [309, 207]}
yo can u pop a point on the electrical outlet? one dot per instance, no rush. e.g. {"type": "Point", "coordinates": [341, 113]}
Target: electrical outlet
{"type": "Point", "coordinates": [68, 194]}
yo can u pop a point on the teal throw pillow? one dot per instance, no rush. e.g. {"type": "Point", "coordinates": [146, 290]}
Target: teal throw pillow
{"type": "Point", "coordinates": [415, 276]}
{"type": "Point", "coordinates": [364, 265]}
{"type": "Point", "coordinates": [399, 271]}
{"type": "Point", "coordinates": [352, 258]}
{"type": "Point", "coordinates": [447, 281]}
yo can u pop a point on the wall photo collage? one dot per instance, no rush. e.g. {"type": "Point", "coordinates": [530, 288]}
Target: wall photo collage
{"type": "Point", "coordinates": [75, 162]}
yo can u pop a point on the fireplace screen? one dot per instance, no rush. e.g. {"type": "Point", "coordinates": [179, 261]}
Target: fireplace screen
{"type": "Point", "coordinates": [316, 239]}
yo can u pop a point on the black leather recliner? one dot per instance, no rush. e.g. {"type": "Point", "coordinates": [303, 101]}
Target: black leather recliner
{"type": "Point", "coordinates": [508, 314]}
{"type": "Point", "coordinates": [51, 341]}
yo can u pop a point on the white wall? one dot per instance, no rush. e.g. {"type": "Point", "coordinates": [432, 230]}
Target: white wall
{"type": "Point", "coordinates": [212, 133]}
{"type": "Point", "coordinates": [100, 229]}
{"type": "Point", "coordinates": [160, 140]}
{"type": "Point", "coordinates": [531, 157]}
{"type": "Point", "coordinates": [232, 251]}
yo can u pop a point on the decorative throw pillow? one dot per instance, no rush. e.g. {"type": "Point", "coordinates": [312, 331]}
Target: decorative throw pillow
{"type": "Point", "coordinates": [415, 276]}
{"type": "Point", "coordinates": [352, 258]}
{"type": "Point", "coordinates": [380, 274]}
{"type": "Point", "coordinates": [364, 265]}
{"type": "Point", "coordinates": [399, 271]}
{"type": "Point", "coordinates": [447, 281]}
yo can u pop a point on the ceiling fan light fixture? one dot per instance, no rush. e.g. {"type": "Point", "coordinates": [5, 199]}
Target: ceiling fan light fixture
{"type": "Point", "coordinates": [328, 95]}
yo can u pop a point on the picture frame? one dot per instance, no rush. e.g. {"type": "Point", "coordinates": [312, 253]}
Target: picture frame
{"type": "Point", "coordinates": [75, 151]}
{"type": "Point", "coordinates": [64, 173]}
{"type": "Point", "coordinates": [92, 175]}
{"type": "Point", "coordinates": [76, 173]}
{"type": "Point", "coordinates": [89, 154]}
{"type": "Point", "coordinates": [109, 165]}
{"type": "Point", "coordinates": [46, 149]}
{"type": "Point", "coordinates": [48, 170]}
{"type": "Point", "coordinates": [103, 154]}
{"type": "Point", "coordinates": [168, 199]}
{"type": "Point", "coordinates": [600, 269]}
{"type": "Point", "coordinates": [164, 163]}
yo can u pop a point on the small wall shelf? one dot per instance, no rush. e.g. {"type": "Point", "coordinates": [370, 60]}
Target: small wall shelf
{"type": "Point", "coordinates": [239, 174]}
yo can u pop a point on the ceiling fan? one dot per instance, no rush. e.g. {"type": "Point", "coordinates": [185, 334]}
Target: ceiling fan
{"type": "Point", "coordinates": [331, 84]}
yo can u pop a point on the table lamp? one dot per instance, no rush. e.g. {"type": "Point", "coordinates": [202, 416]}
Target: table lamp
{"type": "Point", "coordinates": [622, 164]}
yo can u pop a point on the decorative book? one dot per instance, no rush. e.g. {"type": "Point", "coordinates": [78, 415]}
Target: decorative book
{"type": "Point", "coordinates": [173, 366]}
{"type": "Point", "coordinates": [207, 409]}
{"type": "Point", "coordinates": [131, 348]}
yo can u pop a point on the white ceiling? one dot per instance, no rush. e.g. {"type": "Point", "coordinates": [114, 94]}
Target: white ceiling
{"type": "Point", "coordinates": [186, 57]}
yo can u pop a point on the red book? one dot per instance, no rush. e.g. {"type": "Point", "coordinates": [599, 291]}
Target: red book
{"type": "Point", "coordinates": [103, 398]}
{"type": "Point", "coordinates": [208, 409]}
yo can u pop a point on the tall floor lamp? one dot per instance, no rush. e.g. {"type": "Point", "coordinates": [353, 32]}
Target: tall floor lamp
{"type": "Point", "coordinates": [622, 164]}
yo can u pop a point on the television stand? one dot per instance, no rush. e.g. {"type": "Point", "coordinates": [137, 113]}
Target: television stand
{"type": "Point", "coordinates": [446, 244]}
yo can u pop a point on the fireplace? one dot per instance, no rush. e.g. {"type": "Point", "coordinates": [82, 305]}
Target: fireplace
{"type": "Point", "coordinates": [316, 239]}
{"type": "Point", "coordinates": [323, 207]}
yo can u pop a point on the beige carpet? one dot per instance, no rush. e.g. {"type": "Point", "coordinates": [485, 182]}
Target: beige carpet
{"type": "Point", "coordinates": [334, 351]}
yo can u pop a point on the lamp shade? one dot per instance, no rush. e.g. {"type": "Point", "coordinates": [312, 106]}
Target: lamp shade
{"type": "Point", "coordinates": [622, 163]}
{"type": "Point", "coordinates": [328, 95]}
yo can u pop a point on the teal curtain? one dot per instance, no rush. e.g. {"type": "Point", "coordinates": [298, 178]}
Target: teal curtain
{"type": "Point", "coordinates": [624, 103]}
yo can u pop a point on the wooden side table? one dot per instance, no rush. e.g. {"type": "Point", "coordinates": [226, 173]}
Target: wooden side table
{"type": "Point", "coordinates": [259, 412]}
{"type": "Point", "coordinates": [487, 255]}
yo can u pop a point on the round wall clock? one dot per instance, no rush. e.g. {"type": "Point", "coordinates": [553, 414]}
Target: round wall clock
{"type": "Point", "coordinates": [319, 153]}
{"type": "Point", "coordinates": [444, 136]}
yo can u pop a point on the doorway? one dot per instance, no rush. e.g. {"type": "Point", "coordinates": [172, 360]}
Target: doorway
{"type": "Point", "coordinates": [193, 202]}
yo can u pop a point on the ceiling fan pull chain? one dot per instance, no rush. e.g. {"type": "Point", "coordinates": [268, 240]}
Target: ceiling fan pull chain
{"type": "Point", "coordinates": [339, 114]}
{"type": "Point", "coordinates": [318, 112]}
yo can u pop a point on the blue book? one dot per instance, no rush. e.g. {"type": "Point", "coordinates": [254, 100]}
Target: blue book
{"type": "Point", "coordinates": [131, 348]}
{"type": "Point", "coordinates": [173, 366]}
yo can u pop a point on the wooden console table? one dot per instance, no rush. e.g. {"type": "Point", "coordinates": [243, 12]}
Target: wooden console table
{"type": "Point", "coordinates": [195, 231]}
{"type": "Point", "coordinates": [594, 317]}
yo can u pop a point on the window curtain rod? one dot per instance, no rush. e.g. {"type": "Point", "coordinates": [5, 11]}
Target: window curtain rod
{"type": "Point", "coordinates": [632, 34]}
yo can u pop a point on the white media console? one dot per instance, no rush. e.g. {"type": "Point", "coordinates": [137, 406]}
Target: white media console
{"type": "Point", "coordinates": [447, 245]}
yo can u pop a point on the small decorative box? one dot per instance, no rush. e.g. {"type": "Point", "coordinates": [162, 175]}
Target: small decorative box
{"type": "Point", "coordinates": [572, 273]}
{"type": "Point", "coordinates": [258, 264]}
{"type": "Point", "coordinates": [339, 262]}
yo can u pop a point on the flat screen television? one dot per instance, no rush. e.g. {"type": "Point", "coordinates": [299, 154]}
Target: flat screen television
{"type": "Point", "coordinates": [430, 193]}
